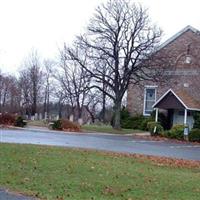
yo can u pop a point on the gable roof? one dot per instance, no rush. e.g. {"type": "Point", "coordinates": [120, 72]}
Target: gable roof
{"type": "Point", "coordinates": [186, 100]}
{"type": "Point", "coordinates": [174, 37]}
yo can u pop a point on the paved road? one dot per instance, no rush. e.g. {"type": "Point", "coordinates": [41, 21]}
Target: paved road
{"type": "Point", "coordinates": [8, 196]}
{"type": "Point", "coordinates": [127, 144]}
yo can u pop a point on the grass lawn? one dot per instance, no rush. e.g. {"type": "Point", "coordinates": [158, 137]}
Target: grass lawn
{"type": "Point", "coordinates": [40, 123]}
{"type": "Point", "coordinates": [91, 128]}
{"type": "Point", "coordinates": [108, 129]}
{"type": "Point", "coordinates": [60, 173]}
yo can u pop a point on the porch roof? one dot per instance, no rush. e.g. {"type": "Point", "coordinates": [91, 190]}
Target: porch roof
{"type": "Point", "coordinates": [177, 100]}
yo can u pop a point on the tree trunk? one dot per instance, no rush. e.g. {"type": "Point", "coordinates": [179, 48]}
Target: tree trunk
{"type": "Point", "coordinates": [104, 100]}
{"type": "Point", "coordinates": [47, 108]}
{"type": "Point", "coordinates": [116, 120]}
{"type": "Point", "coordinates": [0, 103]}
{"type": "Point", "coordinates": [45, 104]}
{"type": "Point", "coordinates": [104, 108]}
{"type": "Point", "coordinates": [91, 114]}
{"type": "Point", "coordinates": [33, 112]}
{"type": "Point", "coordinates": [60, 109]}
{"type": "Point", "coordinates": [4, 100]}
{"type": "Point", "coordinates": [35, 96]}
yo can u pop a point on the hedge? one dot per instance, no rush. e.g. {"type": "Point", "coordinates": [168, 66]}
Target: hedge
{"type": "Point", "coordinates": [194, 135]}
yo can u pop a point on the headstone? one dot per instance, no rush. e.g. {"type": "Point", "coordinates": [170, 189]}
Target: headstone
{"type": "Point", "coordinates": [80, 121]}
{"type": "Point", "coordinates": [40, 116]}
{"type": "Point", "coordinates": [89, 122]}
{"type": "Point", "coordinates": [45, 115]}
{"type": "Point", "coordinates": [36, 116]}
{"type": "Point", "coordinates": [71, 118]}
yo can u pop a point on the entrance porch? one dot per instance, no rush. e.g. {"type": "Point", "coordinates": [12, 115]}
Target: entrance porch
{"type": "Point", "coordinates": [179, 108]}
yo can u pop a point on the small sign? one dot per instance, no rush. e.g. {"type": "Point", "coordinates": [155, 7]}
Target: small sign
{"type": "Point", "coordinates": [186, 131]}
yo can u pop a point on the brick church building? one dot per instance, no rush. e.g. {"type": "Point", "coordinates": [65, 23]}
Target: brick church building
{"type": "Point", "coordinates": [179, 96]}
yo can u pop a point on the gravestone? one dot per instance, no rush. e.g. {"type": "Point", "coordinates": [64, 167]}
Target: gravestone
{"type": "Point", "coordinates": [71, 118]}
{"type": "Point", "coordinates": [80, 121]}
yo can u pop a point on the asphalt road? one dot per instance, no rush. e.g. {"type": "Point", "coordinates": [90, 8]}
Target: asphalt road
{"type": "Point", "coordinates": [127, 144]}
{"type": "Point", "coordinates": [4, 195]}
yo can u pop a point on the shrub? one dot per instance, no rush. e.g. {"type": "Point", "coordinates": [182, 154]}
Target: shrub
{"type": "Point", "coordinates": [124, 114]}
{"type": "Point", "coordinates": [144, 123]}
{"type": "Point", "coordinates": [125, 118]}
{"type": "Point", "coordinates": [136, 122]}
{"type": "Point", "coordinates": [194, 135]}
{"type": "Point", "coordinates": [7, 119]}
{"type": "Point", "coordinates": [57, 125]}
{"type": "Point", "coordinates": [127, 124]}
{"type": "Point", "coordinates": [155, 128]}
{"type": "Point", "coordinates": [19, 121]}
{"type": "Point", "coordinates": [176, 132]}
{"type": "Point", "coordinates": [69, 126]}
{"type": "Point", "coordinates": [196, 120]}
{"type": "Point", "coordinates": [66, 125]}
{"type": "Point", "coordinates": [165, 133]}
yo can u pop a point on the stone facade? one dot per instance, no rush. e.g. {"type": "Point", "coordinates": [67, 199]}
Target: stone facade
{"type": "Point", "coordinates": [184, 50]}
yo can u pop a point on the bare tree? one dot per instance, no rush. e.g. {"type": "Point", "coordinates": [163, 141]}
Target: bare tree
{"type": "Point", "coordinates": [14, 96]}
{"type": "Point", "coordinates": [48, 65]}
{"type": "Point", "coordinates": [75, 83]}
{"type": "Point", "coordinates": [121, 35]}
{"type": "Point", "coordinates": [94, 102]}
{"type": "Point", "coordinates": [5, 84]}
{"type": "Point", "coordinates": [31, 79]}
{"type": "Point", "coordinates": [9, 94]}
{"type": "Point", "coordinates": [25, 85]}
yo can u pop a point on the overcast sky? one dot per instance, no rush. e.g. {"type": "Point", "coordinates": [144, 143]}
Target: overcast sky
{"type": "Point", "coordinates": [46, 24]}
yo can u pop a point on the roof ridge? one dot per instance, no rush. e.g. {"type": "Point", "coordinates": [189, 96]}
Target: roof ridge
{"type": "Point", "coordinates": [171, 39]}
{"type": "Point", "coordinates": [180, 95]}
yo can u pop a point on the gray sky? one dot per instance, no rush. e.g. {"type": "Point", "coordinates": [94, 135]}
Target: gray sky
{"type": "Point", "coordinates": [46, 24]}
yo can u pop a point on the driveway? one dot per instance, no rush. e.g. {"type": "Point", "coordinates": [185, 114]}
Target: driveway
{"type": "Point", "coordinates": [116, 143]}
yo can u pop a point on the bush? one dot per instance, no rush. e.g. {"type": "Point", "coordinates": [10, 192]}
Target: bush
{"type": "Point", "coordinates": [57, 125]}
{"type": "Point", "coordinates": [194, 135]}
{"type": "Point", "coordinates": [136, 122]}
{"type": "Point", "coordinates": [155, 131]}
{"type": "Point", "coordinates": [166, 133]}
{"type": "Point", "coordinates": [127, 124]}
{"type": "Point", "coordinates": [125, 119]}
{"type": "Point", "coordinates": [144, 123]}
{"type": "Point", "coordinates": [19, 121]}
{"type": "Point", "coordinates": [65, 125]}
{"type": "Point", "coordinates": [69, 126]}
{"type": "Point", "coordinates": [196, 120]}
{"type": "Point", "coordinates": [7, 119]}
{"type": "Point", "coordinates": [177, 132]}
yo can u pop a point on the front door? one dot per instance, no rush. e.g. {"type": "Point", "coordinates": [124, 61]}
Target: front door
{"type": "Point", "coordinates": [170, 118]}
